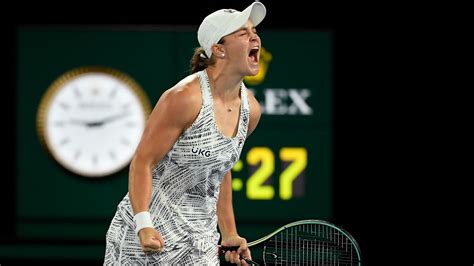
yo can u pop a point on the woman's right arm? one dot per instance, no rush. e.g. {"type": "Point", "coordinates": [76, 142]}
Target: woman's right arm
{"type": "Point", "coordinates": [175, 111]}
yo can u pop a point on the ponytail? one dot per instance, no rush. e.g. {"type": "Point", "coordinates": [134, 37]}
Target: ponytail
{"type": "Point", "coordinates": [200, 61]}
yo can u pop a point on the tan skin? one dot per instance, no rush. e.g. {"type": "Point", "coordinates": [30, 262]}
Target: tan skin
{"type": "Point", "coordinates": [176, 110]}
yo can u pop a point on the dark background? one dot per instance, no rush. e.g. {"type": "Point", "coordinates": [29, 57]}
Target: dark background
{"type": "Point", "coordinates": [375, 172]}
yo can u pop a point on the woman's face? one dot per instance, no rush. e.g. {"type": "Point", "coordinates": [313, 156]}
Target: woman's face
{"type": "Point", "coordinates": [242, 49]}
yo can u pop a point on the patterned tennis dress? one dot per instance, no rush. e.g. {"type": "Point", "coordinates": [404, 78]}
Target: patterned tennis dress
{"type": "Point", "coordinates": [185, 191]}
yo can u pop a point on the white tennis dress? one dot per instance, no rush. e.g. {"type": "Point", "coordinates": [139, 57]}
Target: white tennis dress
{"type": "Point", "coordinates": [185, 191]}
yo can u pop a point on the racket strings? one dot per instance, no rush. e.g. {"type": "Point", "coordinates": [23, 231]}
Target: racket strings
{"type": "Point", "coordinates": [310, 244]}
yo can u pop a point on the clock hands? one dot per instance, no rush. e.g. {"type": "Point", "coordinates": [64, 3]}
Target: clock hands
{"type": "Point", "coordinates": [114, 117]}
{"type": "Point", "coordinates": [99, 123]}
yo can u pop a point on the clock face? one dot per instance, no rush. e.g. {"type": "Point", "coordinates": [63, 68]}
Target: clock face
{"type": "Point", "coordinates": [91, 120]}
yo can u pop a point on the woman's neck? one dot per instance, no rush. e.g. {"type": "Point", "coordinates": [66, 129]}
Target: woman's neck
{"type": "Point", "coordinates": [223, 85]}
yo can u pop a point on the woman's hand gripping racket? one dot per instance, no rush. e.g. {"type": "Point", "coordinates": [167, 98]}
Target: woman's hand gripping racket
{"type": "Point", "coordinates": [223, 250]}
{"type": "Point", "coordinates": [306, 242]}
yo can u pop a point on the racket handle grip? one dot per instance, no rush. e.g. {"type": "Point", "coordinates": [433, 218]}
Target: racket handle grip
{"type": "Point", "coordinates": [223, 250]}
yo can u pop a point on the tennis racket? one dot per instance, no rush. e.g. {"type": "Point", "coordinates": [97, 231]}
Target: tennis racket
{"type": "Point", "coordinates": [306, 242]}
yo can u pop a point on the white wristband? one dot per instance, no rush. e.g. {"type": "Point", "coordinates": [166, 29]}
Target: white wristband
{"type": "Point", "coordinates": [142, 220]}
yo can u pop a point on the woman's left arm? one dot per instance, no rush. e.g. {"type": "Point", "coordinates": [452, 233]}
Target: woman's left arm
{"type": "Point", "coordinates": [226, 221]}
{"type": "Point", "coordinates": [225, 210]}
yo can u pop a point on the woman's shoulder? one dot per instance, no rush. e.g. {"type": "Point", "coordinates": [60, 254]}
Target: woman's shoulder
{"type": "Point", "coordinates": [255, 112]}
{"type": "Point", "coordinates": [186, 92]}
{"type": "Point", "coordinates": [183, 99]}
{"type": "Point", "coordinates": [187, 86]}
{"type": "Point", "coordinates": [254, 104]}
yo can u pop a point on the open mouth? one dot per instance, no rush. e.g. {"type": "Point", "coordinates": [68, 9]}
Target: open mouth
{"type": "Point", "coordinates": [253, 54]}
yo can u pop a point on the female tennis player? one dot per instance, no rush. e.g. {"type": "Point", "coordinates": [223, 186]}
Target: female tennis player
{"type": "Point", "coordinates": [180, 177]}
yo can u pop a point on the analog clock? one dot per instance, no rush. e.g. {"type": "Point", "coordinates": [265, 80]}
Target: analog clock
{"type": "Point", "coordinates": [91, 119]}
